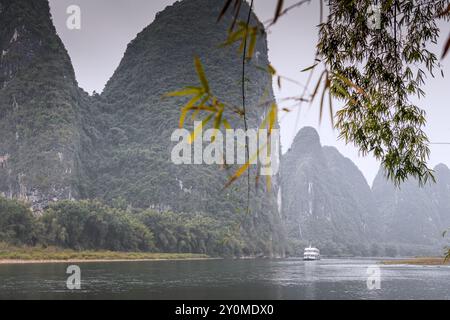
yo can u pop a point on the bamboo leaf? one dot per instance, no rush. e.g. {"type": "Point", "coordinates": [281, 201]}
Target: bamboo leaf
{"type": "Point", "coordinates": [237, 9]}
{"type": "Point", "coordinates": [184, 92]}
{"type": "Point", "coordinates": [197, 129]}
{"type": "Point", "coordinates": [224, 9]}
{"type": "Point", "coordinates": [252, 44]}
{"type": "Point", "coordinates": [272, 70]}
{"type": "Point", "coordinates": [272, 117]}
{"type": "Point", "coordinates": [201, 107]}
{"type": "Point", "coordinates": [186, 109]}
{"type": "Point", "coordinates": [238, 173]}
{"type": "Point", "coordinates": [242, 46]}
{"type": "Point", "coordinates": [278, 10]}
{"type": "Point", "coordinates": [234, 37]}
{"type": "Point", "coordinates": [195, 114]}
{"type": "Point", "coordinates": [330, 102]}
{"type": "Point", "coordinates": [316, 89]}
{"type": "Point", "coordinates": [309, 68]}
{"type": "Point", "coordinates": [201, 74]}
{"type": "Point", "coordinates": [217, 123]}
{"type": "Point", "coordinates": [321, 101]}
{"type": "Point", "coordinates": [269, 183]}
{"type": "Point", "coordinates": [257, 178]}
{"type": "Point", "coordinates": [226, 124]}
{"type": "Point", "coordinates": [445, 12]}
{"type": "Point", "coordinates": [244, 168]}
{"type": "Point", "coordinates": [446, 48]}
{"type": "Point", "coordinates": [349, 83]}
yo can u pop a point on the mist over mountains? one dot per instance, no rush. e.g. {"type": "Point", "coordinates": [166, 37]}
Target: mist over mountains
{"type": "Point", "coordinates": [59, 143]}
{"type": "Point", "coordinates": [327, 202]}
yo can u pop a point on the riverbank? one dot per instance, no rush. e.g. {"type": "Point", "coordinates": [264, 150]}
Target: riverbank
{"type": "Point", "coordinates": [22, 255]}
{"type": "Point", "coordinates": [422, 261]}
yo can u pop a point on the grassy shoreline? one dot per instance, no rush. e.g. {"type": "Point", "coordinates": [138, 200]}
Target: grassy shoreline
{"type": "Point", "coordinates": [21, 255]}
{"type": "Point", "coordinates": [419, 261]}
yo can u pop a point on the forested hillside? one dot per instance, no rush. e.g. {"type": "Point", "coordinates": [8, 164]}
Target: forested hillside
{"type": "Point", "coordinates": [59, 143]}
{"type": "Point", "coordinates": [40, 108]}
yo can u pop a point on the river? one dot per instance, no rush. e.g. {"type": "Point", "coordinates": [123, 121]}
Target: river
{"type": "Point", "coordinates": [228, 279]}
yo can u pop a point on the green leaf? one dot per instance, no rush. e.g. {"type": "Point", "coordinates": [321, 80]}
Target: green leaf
{"type": "Point", "coordinates": [309, 68]}
{"type": "Point", "coordinates": [316, 89]}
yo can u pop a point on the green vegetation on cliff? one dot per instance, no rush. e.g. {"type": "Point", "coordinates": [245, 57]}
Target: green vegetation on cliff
{"type": "Point", "coordinates": [61, 144]}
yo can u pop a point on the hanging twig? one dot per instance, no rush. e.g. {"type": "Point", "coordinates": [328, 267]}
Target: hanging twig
{"type": "Point", "coordinates": [244, 58]}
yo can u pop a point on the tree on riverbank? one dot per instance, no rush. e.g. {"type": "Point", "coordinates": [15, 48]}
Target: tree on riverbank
{"type": "Point", "coordinates": [92, 225]}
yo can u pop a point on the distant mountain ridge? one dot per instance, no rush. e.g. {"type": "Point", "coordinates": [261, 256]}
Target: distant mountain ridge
{"type": "Point", "coordinates": [413, 215]}
{"type": "Point", "coordinates": [326, 201]}
{"type": "Point", "coordinates": [319, 200]}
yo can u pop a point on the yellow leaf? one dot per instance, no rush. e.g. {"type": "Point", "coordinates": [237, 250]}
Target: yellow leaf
{"type": "Point", "coordinates": [243, 168]}
{"type": "Point", "coordinates": [197, 109]}
{"type": "Point", "coordinates": [252, 45]}
{"type": "Point", "coordinates": [272, 117]}
{"type": "Point", "coordinates": [185, 92]}
{"type": "Point", "coordinates": [269, 183]}
{"type": "Point", "coordinates": [226, 124]}
{"type": "Point", "coordinates": [201, 75]}
{"type": "Point", "coordinates": [217, 123]}
{"type": "Point", "coordinates": [238, 173]}
{"type": "Point", "coordinates": [235, 36]}
{"type": "Point", "coordinates": [199, 128]}
{"type": "Point", "coordinates": [186, 109]}
{"type": "Point", "coordinates": [272, 70]}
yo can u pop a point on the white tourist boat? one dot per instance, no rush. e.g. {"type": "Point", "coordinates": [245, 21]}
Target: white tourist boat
{"type": "Point", "coordinates": [311, 254]}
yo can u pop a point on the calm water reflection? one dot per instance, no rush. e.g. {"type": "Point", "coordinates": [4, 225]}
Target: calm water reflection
{"type": "Point", "coordinates": [225, 279]}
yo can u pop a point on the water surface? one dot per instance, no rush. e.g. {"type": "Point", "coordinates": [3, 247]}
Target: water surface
{"type": "Point", "coordinates": [225, 279]}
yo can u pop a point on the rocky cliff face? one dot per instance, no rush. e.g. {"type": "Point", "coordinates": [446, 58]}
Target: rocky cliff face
{"type": "Point", "coordinates": [140, 122]}
{"type": "Point", "coordinates": [58, 143]}
{"type": "Point", "coordinates": [39, 107]}
{"type": "Point", "coordinates": [326, 200]}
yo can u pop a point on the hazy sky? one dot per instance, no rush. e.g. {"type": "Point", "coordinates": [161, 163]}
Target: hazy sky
{"type": "Point", "coordinates": [107, 26]}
